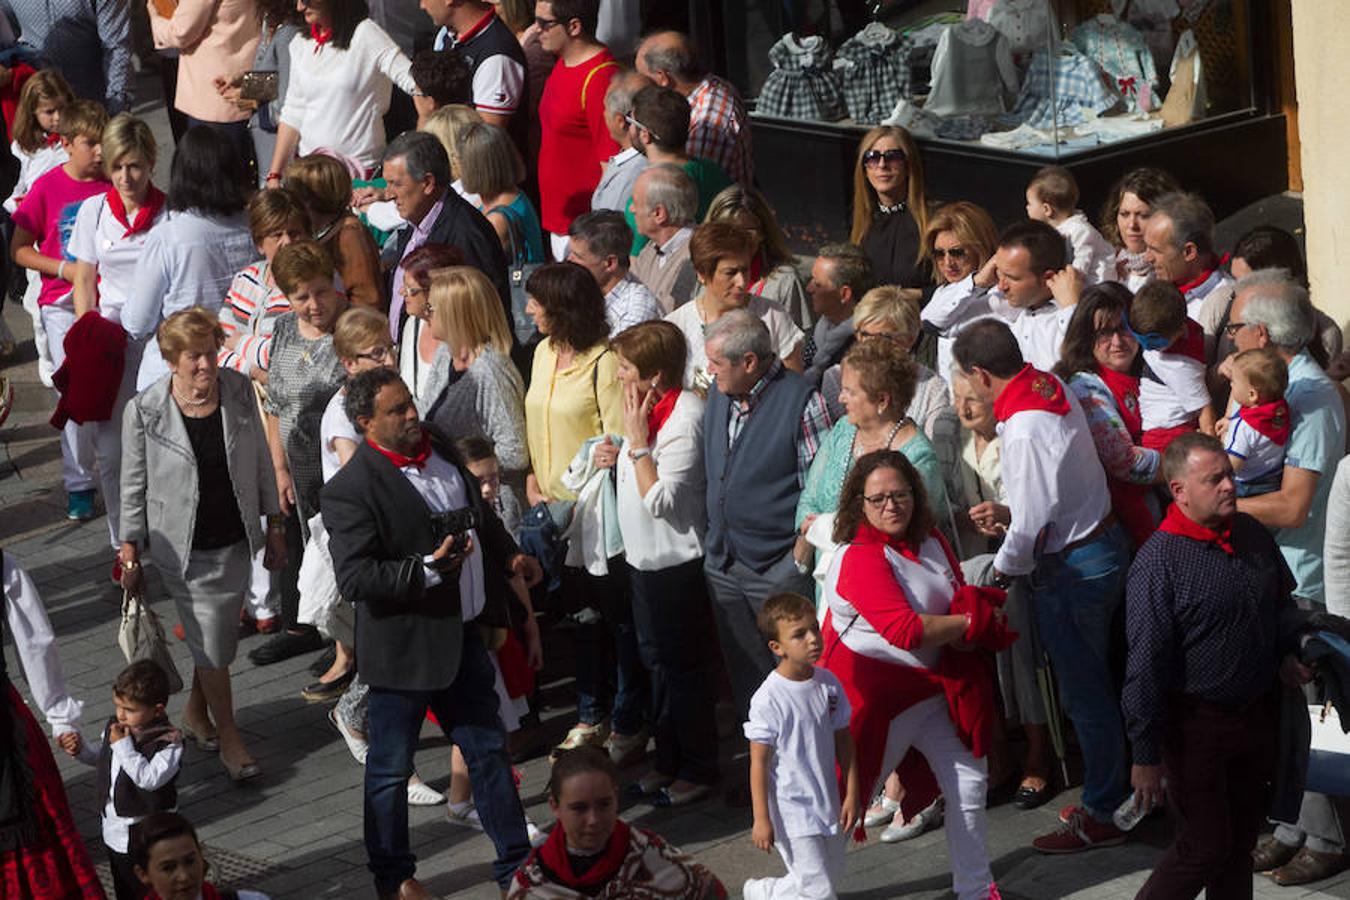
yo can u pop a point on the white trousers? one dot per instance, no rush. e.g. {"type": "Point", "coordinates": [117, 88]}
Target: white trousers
{"type": "Point", "coordinates": [77, 442]}
{"type": "Point", "coordinates": [259, 600]}
{"type": "Point", "coordinates": [815, 867]}
{"type": "Point", "coordinates": [30, 295]}
{"type": "Point", "coordinates": [964, 780]}
{"type": "Point", "coordinates": [107, 441]}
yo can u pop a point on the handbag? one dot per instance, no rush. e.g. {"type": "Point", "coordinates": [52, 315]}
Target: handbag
{"type": "Point", "coordinates": [141, 636]}
{"type": "Point", "coordinates": [259, 85]}
{"type": "Point", "coordinates": [518, 274]}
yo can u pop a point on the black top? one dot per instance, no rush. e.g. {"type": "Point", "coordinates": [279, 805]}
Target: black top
{"type": "Point", "coordinates": [892, 244]}
{"type": "Point", "coordinates": [218, 521]}
{"type": "Point", "coordinates": [1201, 623]}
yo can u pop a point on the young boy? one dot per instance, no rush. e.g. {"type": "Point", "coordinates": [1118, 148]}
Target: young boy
{"type": "Point", "coordinates": [1173, 397]}
{"type": "Point", "coordinates": [137, 762]}
{"type": "Point", "coordinates": [1258, 425]}
{"type": "Point", "coordinates": [42, 226]}
{"type": "Point", "coordinates": [1051, 198]}
{"type": "Point", "coordinates": [798, 730]}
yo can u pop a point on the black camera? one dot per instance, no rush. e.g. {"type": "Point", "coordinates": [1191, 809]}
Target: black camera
{"type": "Point", "coordinates": [455, 521]}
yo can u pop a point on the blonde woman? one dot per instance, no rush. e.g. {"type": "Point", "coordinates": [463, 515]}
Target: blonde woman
{"type": "Point", "coordinates": [490, 168]}
{"type": "Point", "coordinates": [773, 269]}
{"type": "Point", "coordinates": [445, 124]}
{"type": "Point", "coordinates": [473, 385]}
{"type": "Point", "coordinates": [959, 240]}
{"type": "Point", "coordinates": [890, 207]}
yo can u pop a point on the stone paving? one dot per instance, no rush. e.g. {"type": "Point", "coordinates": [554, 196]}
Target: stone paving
{"type": "Point", "coordinates": [296, 833]}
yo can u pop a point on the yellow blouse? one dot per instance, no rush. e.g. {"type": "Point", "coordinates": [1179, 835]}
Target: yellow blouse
{"type": "Point", "coordinates": [564, 407]}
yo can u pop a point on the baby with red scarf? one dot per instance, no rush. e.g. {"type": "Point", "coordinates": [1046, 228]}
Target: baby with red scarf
{"type": "Point", "coordinates": [1258, 421]}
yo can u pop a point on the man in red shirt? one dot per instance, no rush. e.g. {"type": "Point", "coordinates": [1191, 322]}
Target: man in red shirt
{"type": "Point", "coordinates": [575, 143]}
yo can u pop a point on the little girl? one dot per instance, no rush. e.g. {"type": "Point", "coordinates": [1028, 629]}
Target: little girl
{"type": "Point", "coordinates": [38, 149]}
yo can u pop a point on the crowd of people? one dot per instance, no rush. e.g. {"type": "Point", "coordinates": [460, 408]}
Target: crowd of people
{"type": "Point", "coordinates": [423, 356]}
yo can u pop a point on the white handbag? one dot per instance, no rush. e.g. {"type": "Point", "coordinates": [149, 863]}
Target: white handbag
{"type": "Point", "coordinates": [141, 636]}
{"type": "Point", "coordinates": [1328, 753]}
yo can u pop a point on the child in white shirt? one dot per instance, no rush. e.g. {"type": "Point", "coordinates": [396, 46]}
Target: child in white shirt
{"type": "Point", "coordinates": [798, 728]}
{"type": "Point", "coordinates": [1173, 396]}
{"type": "Point", "coordinates": [1052, 197]}
{"type": "Point", "coordinates": [1258, 421]}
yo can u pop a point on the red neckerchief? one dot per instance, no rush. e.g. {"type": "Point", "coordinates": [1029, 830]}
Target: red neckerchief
{"type": "Point", "coordinates": [661, 411]}
{"type": "Point", "coordinates": [867, 534]}
{"type": "Point", "coordinates": [554, 856]}
{"type": "Point", "coordinates": [419, 459]}
{"type": "Point", "coordinates": [145, 216]}
{"type": "Point", "coordinates": [1192, 344]}
{"type": "Point", "coordinates": [478, 27]}
{"type": "Point", "coordinates": [1031, 389]}
{"type": "Point", "coordinates": [1270, 419]}
{"type": "Point", "coordinates": [1125, 389]}
{"type": "Point", "coordinates": [1187, 286]}
{"type": "Point", "coordinates": [756, 266]}
{"type": "Point", "coordinates": [209, 892]}
{"type": "Point", "coordinates": [53, 139]}
{"type": "Point", "coordinates": [1176, 522]}
{"type": "Point", "coordinates": [321, 36]}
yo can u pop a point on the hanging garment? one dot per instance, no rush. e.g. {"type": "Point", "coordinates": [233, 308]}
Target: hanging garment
{"type": "Point", "coordinates": [873, 72]}
{"type": "Point", "coordinates": [1186, 97]}
{"type": "Point", "coordinates": [1080, 89]}
{"type": "Point", "coordinates": [1153, 18]}
{"type": "Point", "coordinates": [1027, 24]}
{"type": "Point", "coordinates": [1122, 52]}
{"type": "Point", "coordinates": [973, 72]}
{"type": "Point", "coordinates": [980, 9]}
{"type": "Point", "coordinates": [802, 84]}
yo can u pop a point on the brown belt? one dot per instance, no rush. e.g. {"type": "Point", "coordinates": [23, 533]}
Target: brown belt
{"type": "Point", "coordinates": [1092, 535]}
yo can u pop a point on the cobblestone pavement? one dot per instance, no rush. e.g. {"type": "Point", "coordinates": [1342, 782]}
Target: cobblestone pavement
{"type": "Point", "coordinates": [296, 833]}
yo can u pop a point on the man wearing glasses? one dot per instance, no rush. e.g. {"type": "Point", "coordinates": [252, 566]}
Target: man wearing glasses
{"type": "Point", "coordinates": [574, 140]}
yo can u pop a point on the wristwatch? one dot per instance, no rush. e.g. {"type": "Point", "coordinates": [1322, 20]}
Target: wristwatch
{"type": "Point", "coordinates": [638, 452]}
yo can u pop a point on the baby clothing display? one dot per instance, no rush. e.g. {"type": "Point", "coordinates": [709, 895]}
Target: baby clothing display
{"type": "Point", "coordinates": [1063, 87]}
{"type": "Point", "coordinates": [873, 72]}
{"type": "Point", "coordinates": [1186, 98]}
{"type": "Point", "coordinates": [802, 84]}
{"type": "Point", "coordinates": [1122, 52]}
{"type": "Point", "coordinates": [1028, 25]}
{"type": "Point", "coordinates": [972, 71]}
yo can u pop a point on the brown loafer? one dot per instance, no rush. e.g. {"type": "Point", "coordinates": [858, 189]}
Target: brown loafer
{"type": "Point", "coordinates": [1308, 866]}
{"type": "Point", "coordinates": [1270, 854]}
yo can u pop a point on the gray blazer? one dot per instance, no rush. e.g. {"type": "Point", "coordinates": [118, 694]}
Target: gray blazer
{"type": "Point", "coordinates": [159, 470]}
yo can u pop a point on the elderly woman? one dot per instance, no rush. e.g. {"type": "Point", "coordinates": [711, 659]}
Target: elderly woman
{"type": "Point", "coordinates": [109, 234]}
{"type": "Point", "coordinates": [473, 387]}
{"type": "Point", "coordinates": [721, 254]}
{"type": "Point", "coordinates": [591, 852]}
{"type": "Point", "coordinates": [890, 207]}
{"type": "Point", "coordinates": [1124, 216]}
{"type": "Point", "coordinates": [417, 343]}
{"type": "Point", "coordinates": [662, 517]}
{"type": "Point", "coordinates": [959, 240]}
{"type": "Point", "coordinates": [1099, 361]}
{"type": "Point", "coordinates": [324, 186]}
{"type": "Point", "coordinates": [196, 482]}
{"type": "Point", "coordinates": [898, 634]}
{"type": "Point", "coordinates": [191, 258]}
{"type": "Point", "coordinates": [490, 168]}
{"type": "Point", "coordinates": [773, 268]}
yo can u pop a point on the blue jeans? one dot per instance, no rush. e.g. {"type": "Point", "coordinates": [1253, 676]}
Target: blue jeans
{"type": "Point", "coordinates": [1074, 598]}
{"type": "Point", "coordinates": [670, 610]}
{"type": "Point", "coordinates": [467, 711]}
{"type": "Point", "coordinates": [611, 682]}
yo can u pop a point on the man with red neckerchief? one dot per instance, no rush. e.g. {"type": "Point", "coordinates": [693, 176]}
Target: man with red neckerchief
{"type": "Point", "coordinates": [1179, 242]}
{"type": "Point", "coordinates": [1064, 538]}
{"type": "Point", "coordinates": [1207, 648]}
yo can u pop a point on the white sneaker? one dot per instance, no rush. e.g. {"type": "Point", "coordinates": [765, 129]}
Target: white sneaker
{"type": "Point", "coordinates": [927, 820]}
{"type": "Point", "coordinates": [422, 794]}
{"type": "Point", "coordinates": [463, 814]}
{"type": "Point", "coordinates": [357, 746]}
{"type": "Point", "coordinates": [537, 837]}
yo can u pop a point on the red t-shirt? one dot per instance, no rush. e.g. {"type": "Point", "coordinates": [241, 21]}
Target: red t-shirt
{"type": "Point", "coordinates": [48, 213]}
{"type": "Point", "coordinates": [574, 139]}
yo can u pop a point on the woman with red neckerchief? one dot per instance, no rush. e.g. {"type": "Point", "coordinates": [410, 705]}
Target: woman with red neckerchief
{"type": "Point", "coordinates": [169, 861]}
{"type": "Point", "coordinates": [1099, 361]}
{"type": "Point", "coordinates": [901, 634]}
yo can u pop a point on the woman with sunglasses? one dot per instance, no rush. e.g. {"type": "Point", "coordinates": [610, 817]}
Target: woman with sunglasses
{"type": "Point", "coordinates": [958, 241]}
{"type": "Point", "coordinates": [890, 207]}
{"type": "Point", "coordinates": [1099, 361]}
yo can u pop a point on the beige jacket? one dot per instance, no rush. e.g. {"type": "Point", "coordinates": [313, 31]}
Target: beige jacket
{"type": "Point", "coordinates": [215, 39]}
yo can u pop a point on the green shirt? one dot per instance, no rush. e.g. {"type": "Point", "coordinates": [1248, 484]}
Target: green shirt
{"type": "Point", "coordinates": [710, 181]}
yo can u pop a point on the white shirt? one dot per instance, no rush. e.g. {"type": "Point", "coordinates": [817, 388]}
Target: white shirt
{"type": "Point", "coordinates": [1261, 457]}
{"type": "Point", "coordinates": [333, 425]}
{"type": "Point", "coordinates": [616, 184]}
{"type": "Point", "coordinates": [1054, 482]}
{"type": "Point", "coordinates": [665, 528]}
{"type": "Point", "coordinates": [1089, 251]}
{"type": "Point", "coordinates": [97, 239]}
{"type": "Point", "coordinates": [1172, 390]}
{"type": "Point", "coordinates": [798, 719]}
{"type": "Point", "coordinates": [783, 332]}
{"type": "Point", "coordinates": [27, 624]}
{"type": "Point", "coordinates": [498, 82]}
{"type": "Point", "coordinates": [1196, 296]}
{"type": "Point", "coordinates": [630, 303]}
{"type": "Point", "coordinates": [147, 774]}
{"type": "Point", "coordinates": [32, 167]}
{"type": "Point", "coordinates": [1039, 331]}
{"type": "Point", "coordinates": [443, 489]}
{"type": "Point", "coordinates": [337, 98]}
{"type": "Point", "coordinates": [951, 308]}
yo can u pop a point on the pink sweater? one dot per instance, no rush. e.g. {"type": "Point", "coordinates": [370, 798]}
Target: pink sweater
{"type": "Point", "coordinates": [215, 39]}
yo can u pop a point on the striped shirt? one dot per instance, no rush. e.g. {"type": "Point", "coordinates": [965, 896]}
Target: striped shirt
{"type": "Point", "coordinates": [249, 312]}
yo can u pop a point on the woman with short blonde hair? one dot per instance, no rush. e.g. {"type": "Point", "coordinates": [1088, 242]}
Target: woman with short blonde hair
{"type": "Point", "coordinates": [490, 168]}
{"type": "Point", "coordinates": [445, 124]}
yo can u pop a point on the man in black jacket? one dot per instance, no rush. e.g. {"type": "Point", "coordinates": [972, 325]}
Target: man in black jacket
{"type": "Point", "coordinates": [419, 554]}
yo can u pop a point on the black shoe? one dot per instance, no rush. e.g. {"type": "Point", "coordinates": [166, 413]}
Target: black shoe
{"type": "Point", "coordinates": [286, 645]}
{"type": "Point", "coordinates": [1030, 798]}
{"type": "Point", "coordinates": [323, 691]}
{"type": "Point", "coordinates": [324, 662]}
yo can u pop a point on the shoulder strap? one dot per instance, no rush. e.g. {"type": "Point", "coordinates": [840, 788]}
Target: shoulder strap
{"type": "Point", "coordinates": [518, 251]}
{"type": "Point", "coordinates": [591, 74]}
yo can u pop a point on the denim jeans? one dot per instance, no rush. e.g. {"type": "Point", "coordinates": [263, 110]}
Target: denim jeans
{"type": "Point", "coordinates": [1074, 598]}
{"type": "Point", "coordinates": [611, 681]}
{"type": "Point", "coordinates": [467, 711]}
{"type": "Point", "coordinates": [670, 609]}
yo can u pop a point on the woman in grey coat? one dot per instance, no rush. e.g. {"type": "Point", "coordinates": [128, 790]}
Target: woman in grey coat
{"type": "Point", "coordinates": [196, 481]}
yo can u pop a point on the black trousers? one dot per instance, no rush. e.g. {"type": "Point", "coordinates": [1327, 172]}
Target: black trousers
{"type": "Point", "coordinates": [126, 886]}
{"type": "Point", "coordinates": [1219, 764]}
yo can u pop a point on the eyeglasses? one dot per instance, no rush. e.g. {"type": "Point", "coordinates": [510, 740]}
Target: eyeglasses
{"type": "Point", "coordinates": [628, 117]}
{"type": "Point", "coordinates": [380, 354]}
{"type": "Point", "coordinates": [955, 253]}
{"type": "Point", "coordinates": [893, 157]}
{"type": "Point", "coordinates": [405, 292]}
{"type": "Point", "coordinates": [545, 24]}
{"type": "Point", "coordinates": [1232, 328]}
{"type": "Point", "coordinates": [899, 498]}
{"type": "Point", "coordinates": [1114, 331]}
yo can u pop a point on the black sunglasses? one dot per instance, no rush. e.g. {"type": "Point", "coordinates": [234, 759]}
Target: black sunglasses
{"type": "Point", "coordinates": [957, 253]}
{"type": "Point", "coordinates": [891, 157]}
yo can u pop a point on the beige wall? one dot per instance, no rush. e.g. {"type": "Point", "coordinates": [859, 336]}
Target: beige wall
{"type": "Point", "coordinates": [1322, 71]}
